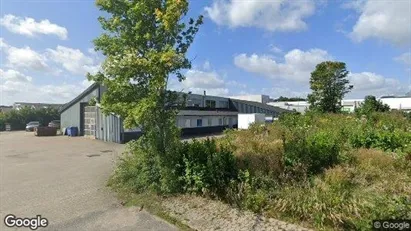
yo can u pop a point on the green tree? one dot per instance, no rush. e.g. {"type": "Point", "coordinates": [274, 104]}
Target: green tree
{"type": "Point", "coordinates": [329, 84]}
{"type": "Point", "coordinates": [19, 118]}
{"type": "Point", "coordinates": [291, 99]}
{"type": "Point", "coordinates": [371, 104]}
{"type": "Point", "coordinates": [145, 43]}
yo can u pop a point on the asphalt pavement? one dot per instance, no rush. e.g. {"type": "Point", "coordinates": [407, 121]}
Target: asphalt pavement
{"type": "Point", "coordinates": [63, 179]}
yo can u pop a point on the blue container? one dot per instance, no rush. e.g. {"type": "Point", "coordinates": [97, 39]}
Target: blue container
{"type": "Point", "coordinates": [67, 131]}
{"type": "Point", "coordinates": [72, 131]}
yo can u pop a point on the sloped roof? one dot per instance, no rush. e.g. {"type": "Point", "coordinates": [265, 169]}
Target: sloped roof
{"type": "Point", "coordinates": [79, 97]}
{"type": "Point", "coordinates": [261, 105]}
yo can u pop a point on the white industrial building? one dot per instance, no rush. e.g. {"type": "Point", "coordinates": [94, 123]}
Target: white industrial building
{"type": "Point", "coordinates": [202, 114]}
{"type": "Point", "coordinates": [402, 103]}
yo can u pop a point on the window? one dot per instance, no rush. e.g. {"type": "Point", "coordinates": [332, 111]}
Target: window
{"type": "Point", "coordinates": [210, 121]}
{"type": "Point", "coordinates": [196, 105]}
{"type": "Point", "coordinates": [199, 122]}
{"type": "Point", "coordinates": [210, 103]}
{"type": "Point", "coordinates": [220, 121]}
{"type": "Point", "coordinates": [225, 121]}
{"type": "Point", "coordinates": [188, 123]}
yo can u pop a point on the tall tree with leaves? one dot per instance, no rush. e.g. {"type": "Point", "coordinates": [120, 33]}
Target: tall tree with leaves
{"type": "Point", "coordinates": [145, 43]}
{"type": "Point", "coordinates": [329, 84]}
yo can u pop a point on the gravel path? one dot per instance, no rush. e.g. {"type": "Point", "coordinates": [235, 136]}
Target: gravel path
{"type": "Point", "coordinates": [204, 214]}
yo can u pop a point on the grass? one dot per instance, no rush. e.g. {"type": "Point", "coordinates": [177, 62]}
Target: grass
{"type": "Point", "coordinates": [327, 172]}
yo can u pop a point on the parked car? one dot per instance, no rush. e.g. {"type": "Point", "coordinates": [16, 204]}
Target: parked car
{"type": "Point", "coordinates": [31, 125]}
{"type": "Point", "coordinates": [55, 124]}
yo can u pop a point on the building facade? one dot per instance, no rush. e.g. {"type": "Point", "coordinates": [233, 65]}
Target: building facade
{"type": "Point", "coordinates": [202, 114]}
{"type": "Point", "coordinates": [402, 103]}
{"type": "Point", "coordinates": [254, 98]}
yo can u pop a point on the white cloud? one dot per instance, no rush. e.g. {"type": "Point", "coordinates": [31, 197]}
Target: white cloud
{"type": "Point", "coordinates": [404, 58]}
{"type": "Point", "coordinates": [206, 65]}
{"type": "Point", "coordinates": [12, 91]}
{"type": "Point", "coordinates": [278, 15]}
{"type": "Point", "coordinates": [357, 5]}
{"type": "Point", "coordinates": [16, 86]}
{"type": "Point", "coordinates": [383, 19]}
{"type": "Point", "coordinates": [368, 83]}
{"type": "Point", "coordinates": [199, 81]}
{"type": "Point", "coordinates": [91, 51]}
{"type": "Point", "coordinates": [291, 77]}
{"type": "Point", "coordinates": [275, 49]}
{"type": "Point", "coordinates": [29, 26]}
{"type": "Point", "coordinates": [297, 64]}
{"type": "Point", "coordinates": [25, 57]}
{"type": "Point", "coordinates": [73, 60]}
{"type": "Point", "coordinates": [86, 83]}
{"type": "Point", "coordinates": [14, 76]}
{"type": "Point", "coordinates": [235, 84]}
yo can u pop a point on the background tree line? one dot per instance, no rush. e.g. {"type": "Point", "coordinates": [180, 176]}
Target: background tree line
{"type": "Point", "coordinates": [19, 118]}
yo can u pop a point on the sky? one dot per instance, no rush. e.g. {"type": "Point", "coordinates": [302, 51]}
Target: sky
{"type": "Point", "coordinates": [244, 47]}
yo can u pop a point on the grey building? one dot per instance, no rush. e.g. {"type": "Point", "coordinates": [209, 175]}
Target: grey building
{"type": "Point", "coordinates": [202, 114]}
{"type": "Point", "coordinates": [4, 109]}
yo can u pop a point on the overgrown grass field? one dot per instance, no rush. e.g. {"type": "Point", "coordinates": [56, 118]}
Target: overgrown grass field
{"type": "Point", "coordinates": [325, 171]}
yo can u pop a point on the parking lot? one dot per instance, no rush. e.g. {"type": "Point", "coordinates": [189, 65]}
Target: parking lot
{"type": "Point", "coordinates": [63, 179]}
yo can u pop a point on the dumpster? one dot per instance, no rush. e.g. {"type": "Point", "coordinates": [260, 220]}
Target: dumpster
{"type": "Point", "coordinates": [72, 131]}
{"type": "Point", "coordinates": [45, 131]}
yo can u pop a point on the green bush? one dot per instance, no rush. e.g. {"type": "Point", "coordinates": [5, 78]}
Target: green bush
{"type": "Point", "coordinates": [208, 169]}
{"type": "Point", "coordinates": [316, 150]}
{"type": "Point", "coordinates": [200, 167]}
{"type": "Point", "coordinates": [136, 170]}
{"type": "Point", "coordinates": [323, 170]}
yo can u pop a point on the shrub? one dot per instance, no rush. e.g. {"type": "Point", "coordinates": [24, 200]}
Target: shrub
{"type": "Point", "coordinates": [314, 149]}
{"type": "Point", "coordinates": [208, 170]}
{"type": "Point", "coordinates": [136, 170]}
{"type": "Point", "coordinates": [345, 198]}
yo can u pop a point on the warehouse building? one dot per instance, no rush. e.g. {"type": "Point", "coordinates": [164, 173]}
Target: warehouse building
{"type": "Point", "coordinates": [202, 114]}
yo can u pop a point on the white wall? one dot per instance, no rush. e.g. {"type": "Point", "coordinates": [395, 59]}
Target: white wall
{"type": "Point", "coordinates": [398, 103]}
{"type": "Point", "coordinates": [245, 120]}
{"type": "Point", "coordinates": [182, 121]}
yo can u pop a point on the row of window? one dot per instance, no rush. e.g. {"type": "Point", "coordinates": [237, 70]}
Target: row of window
{"type": "Point", "coordinates": [204, 122]}
{"type": "Point", "coordinates": [245, 108]}
{"type": "Point", "coordinates": [212, 104]}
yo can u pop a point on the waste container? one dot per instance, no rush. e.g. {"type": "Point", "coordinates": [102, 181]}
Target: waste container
{"type": "Point", "coordinates": [72, 131]}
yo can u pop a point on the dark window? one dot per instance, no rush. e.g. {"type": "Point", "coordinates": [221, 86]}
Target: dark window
{"type": "Point", "coordinates": [210, 103]}
{"type": "Point", "coordinates": [199, 122]}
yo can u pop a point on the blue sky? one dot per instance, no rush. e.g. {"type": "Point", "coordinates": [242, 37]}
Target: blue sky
{"type": "Point", "coordinates": [243, 47]}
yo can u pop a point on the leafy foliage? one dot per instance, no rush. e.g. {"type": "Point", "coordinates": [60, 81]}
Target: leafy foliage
{"type": "Point", "coordinates": [318, 175]}
{"type": "Point", "coordinates": [302, 168]}
{"type": "Point", "coordinates": [145, 44]}
{"type": "Point", "coordinates": [329, 84]}
{"type": "Point", "coordinates": [208, 170]}
{"type": "Point", "coordinates": [371, 104]}
{"type": "Point", "coordinates": [291, 99]}
{"type": "Point", "coordinates": [19, 118]}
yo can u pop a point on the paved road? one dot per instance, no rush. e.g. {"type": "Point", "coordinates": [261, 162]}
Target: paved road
{"type": "Point", "coordinates": [56, 178]}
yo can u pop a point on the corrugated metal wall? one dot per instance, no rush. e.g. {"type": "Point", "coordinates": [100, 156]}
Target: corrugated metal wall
{"type": "Point", "coordinates": [108, 127]}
